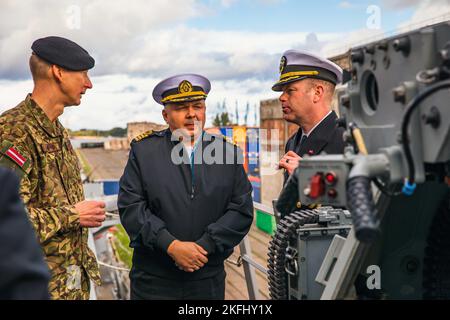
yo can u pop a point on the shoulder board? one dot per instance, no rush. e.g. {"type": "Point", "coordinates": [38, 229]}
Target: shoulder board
{"type": "Point", "coordinates": [142, 136]}
{"type": "Point", "coordinates": [147, 134]}
{"type": "Point", "coordinates": [13, 153]}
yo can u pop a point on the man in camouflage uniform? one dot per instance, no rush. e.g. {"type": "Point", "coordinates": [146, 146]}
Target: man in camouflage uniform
{"type": "Point", "coordinates": [35, 144]}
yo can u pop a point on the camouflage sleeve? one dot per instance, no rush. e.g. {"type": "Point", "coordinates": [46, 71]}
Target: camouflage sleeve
{"type": "Point", "coordinates": [12, 157]}
{"type": "Point", "coordinates": [48, 221]}
{"type": "Point", "coordinates": [16, 155]}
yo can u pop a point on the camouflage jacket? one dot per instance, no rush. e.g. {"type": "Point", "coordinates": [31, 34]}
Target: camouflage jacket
{"type": "Point", "coordinates": [41, 152]}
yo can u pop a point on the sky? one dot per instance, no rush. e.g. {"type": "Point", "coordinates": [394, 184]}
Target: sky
{"type": "Point", "coordinates": [237, 44]}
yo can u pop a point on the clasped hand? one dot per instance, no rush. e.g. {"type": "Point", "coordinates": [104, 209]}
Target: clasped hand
{"type": "Point", "coordinates": [188, 256]}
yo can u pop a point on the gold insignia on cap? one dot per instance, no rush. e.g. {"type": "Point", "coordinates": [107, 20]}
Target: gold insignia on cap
{"type": "Point", "coordinates": [185, 86]}
{"type": "Point", "coordinates": [283, 63]}
{"type": "Point", "coordinates": [185, 93]}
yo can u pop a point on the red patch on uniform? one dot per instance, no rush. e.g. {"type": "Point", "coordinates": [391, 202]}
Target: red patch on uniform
{"type": "Point", "coordinates": [15, 156]}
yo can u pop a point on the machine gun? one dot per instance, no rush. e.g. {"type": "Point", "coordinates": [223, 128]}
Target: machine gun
{"type": "Point", "coordinates": [393, 179]}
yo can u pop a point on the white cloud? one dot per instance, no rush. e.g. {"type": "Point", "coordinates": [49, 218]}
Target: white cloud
{"type": "Point", "coordinates": [345, 5]}
{"type": "Point", "coordinates": [118, 99]}
{"type": "Point", "coordinates": [351, 39]}
{"type": "Point", "coordinates": [228, 3]}
{"type": "Point", "coordinates": [108, 29]}
{"type": "Point", "coordinates": [136, 47]}
{"type": "Point", "coordinates": [270, 2]}
{"type": "Point", "coordinates": [143, 40]}
{"type": "Point", "coordinates": [112, 104]}
{"type": "Point", "coordinates": [138, 44]}
{"type": "Point", "coordinates": [400, 4]}
{"type": "Point", "coordinates": [217, 54]}
{"type": "Point", "coordinates": [12, 92]}
{"type": "Point", "coordinates": [428, 12]}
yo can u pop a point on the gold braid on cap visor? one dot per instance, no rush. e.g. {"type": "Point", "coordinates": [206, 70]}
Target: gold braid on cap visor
{"type": "Point", "coordinates": [183, 96]}
{"type": "Point", "coordinates": [298, 73]}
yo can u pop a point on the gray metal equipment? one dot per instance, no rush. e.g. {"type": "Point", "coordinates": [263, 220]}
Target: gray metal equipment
{"type": "Point", "coordinates": [303, 251]}
{"type": "Point", "coordinates": [393, 177]}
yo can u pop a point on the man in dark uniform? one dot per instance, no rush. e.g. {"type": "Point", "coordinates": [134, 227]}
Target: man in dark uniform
{"type": "Point", "coordinates": [184, 200]}
{"type": "Point", "coordinates": [23, 271]}
{"type": "Point", "coordinates": [307, 83]}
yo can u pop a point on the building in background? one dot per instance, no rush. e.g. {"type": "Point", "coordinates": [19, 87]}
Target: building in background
{"type": "Point", "coordinates": [117, 144]}
{"type": "Point", "coordinates": [133, 130]}
{"type": "Point", "coordinates": [136, 128]}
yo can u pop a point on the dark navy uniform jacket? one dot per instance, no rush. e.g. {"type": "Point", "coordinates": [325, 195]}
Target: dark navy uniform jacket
{"type": "Point", "coordinates": [160, 201]}
{"type": "Point", "coordinates": [23, 271]}
{"type": "Point", "coordinates": [326, 137]}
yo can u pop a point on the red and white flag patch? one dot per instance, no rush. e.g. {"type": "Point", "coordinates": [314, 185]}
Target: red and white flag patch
{"type": "Point", "coordinates": [15, 156]}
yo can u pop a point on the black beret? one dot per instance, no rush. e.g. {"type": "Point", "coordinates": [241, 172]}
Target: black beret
{"type": "Point", "coordinates": [63, 52]}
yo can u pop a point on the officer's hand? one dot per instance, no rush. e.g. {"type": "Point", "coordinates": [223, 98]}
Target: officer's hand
{"type": "Point", "coordinates": [290, 162]}
{"type": "Point", "coordinates": [92, 213]}
{"type": "Point", "coordinates": [188, 256]}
